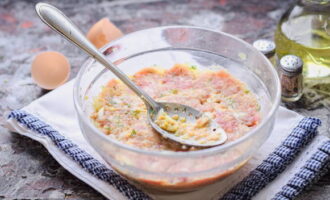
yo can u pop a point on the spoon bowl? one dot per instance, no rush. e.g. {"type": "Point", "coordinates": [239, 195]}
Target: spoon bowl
{"type": "Point", "coordinates": [191, 115]}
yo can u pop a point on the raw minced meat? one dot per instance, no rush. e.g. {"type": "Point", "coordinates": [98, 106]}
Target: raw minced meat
{"type": "Point", "coordinates": [122, 115]}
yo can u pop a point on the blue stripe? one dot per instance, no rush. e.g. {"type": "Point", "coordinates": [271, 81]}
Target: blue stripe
{"type": "Point", "coordinates": [276, 163]}
{"type": "Point", "coordinates": [267, 171]}
{"type": "Point", "coordinates": [84, 159]}
{"type": "Point", "coordinates": [312, 170]}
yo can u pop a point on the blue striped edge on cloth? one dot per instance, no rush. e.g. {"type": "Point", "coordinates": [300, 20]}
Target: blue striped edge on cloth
{"type": "Point", "coordinates": [267, 171]}
{"type": "Point", "coordinates": [85, 160]}
{"type": "Point", "coordinates": [278, 160]}
{"type": "Point", "coordinates": [313, 169]}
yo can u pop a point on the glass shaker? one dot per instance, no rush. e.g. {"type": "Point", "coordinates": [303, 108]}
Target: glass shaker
{"type": "Point", "coordinates": [290, 73]}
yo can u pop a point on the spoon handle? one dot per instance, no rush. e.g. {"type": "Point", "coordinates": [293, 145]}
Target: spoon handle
{"type": "Point", "coordinates": [55, 19]}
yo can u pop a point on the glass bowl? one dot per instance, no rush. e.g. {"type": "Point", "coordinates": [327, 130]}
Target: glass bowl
{"type": "Point", "coordinates": [166, 46]}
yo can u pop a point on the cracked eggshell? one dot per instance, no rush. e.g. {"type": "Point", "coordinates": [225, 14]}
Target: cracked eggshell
{"type": "Point", "coordinates": [103, 32]}
{"type": "Point", "coordinates": [50, 69]}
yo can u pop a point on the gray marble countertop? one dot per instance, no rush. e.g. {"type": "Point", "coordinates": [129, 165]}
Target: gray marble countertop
{"type": "Point", "coordinates": [27, 170]}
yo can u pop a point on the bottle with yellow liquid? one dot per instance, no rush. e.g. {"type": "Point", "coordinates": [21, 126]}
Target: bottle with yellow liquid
{"type": "Point", "coordinates": [304, 31]}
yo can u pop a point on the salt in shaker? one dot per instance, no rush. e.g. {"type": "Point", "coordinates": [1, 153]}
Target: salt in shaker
{"type": "Point", "coordinates": [290, 73]}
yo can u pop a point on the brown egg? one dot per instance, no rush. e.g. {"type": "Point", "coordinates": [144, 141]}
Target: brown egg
{"type": "Point", "coordinates": [103, 32]}
{"type": "Point", "coordinates": [50, 69]}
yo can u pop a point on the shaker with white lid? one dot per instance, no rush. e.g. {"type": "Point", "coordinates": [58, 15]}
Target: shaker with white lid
{"type": "Point", "coordinates": [290, 72]}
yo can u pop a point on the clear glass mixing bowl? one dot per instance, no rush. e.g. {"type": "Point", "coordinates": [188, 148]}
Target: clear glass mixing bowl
{"type": "Point", "coordinates": [165, 46]}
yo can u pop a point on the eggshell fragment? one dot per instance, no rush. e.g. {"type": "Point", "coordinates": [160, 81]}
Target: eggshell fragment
{"type": "Point", "coordinates": [50, 69]}
{"type": "Point", "coordinates": [103, 32]}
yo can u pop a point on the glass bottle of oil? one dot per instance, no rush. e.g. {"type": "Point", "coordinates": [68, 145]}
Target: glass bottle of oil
{"type": "Point", "coordinates": [304, 31]}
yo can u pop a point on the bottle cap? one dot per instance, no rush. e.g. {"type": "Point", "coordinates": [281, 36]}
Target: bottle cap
{"type": "Point", "coordinates": [291, 64]}
{"type": "Point", "coordinates": [267, 47]}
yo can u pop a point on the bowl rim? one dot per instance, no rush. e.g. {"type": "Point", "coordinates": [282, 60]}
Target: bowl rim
{"type": "Point", "coordinates": [197, 153]}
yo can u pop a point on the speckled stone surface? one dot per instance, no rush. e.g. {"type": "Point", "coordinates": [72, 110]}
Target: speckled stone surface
{"type": "Point", "coordinates": [26, 168]}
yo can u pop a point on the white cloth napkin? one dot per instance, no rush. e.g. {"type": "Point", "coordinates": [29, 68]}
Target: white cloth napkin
{"type": "Point", "coordinates": [56, 108]}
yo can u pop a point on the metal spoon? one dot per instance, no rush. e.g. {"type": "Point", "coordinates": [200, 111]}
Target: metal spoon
{"type": "Point", "coordinates": [55, 19]}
